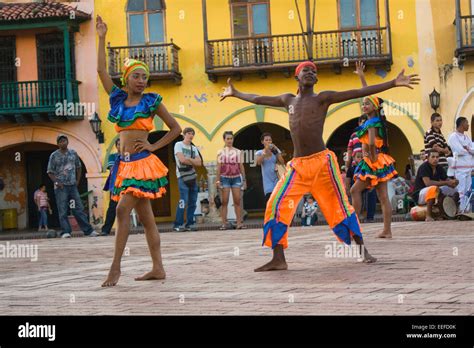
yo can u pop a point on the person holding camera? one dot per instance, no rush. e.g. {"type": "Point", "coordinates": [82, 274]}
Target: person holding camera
{"type": "Point", "coordinates": [187, 157]}
{"type": "Point", "coordinates": [268, 158]}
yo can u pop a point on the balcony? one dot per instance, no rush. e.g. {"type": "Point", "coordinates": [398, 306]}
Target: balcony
{"type": "Point", "coordinates": [161, 58]}
{"type": "Point", "coordinates": [330, 49]}
{"type": "Point", "coordinates": [39, 101]}
{"type": "Point", "coordinates": [465, 37]}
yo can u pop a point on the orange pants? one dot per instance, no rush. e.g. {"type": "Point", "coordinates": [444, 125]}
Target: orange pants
{"type": "Point", "coordinates": [318, 174]}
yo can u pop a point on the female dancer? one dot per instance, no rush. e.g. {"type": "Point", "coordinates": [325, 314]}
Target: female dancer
{"type": "Point", "coordinates": [377, 166]}
{"type": "Point", "coordinates": [231, 176]}
{"type": "Point", "coordinates": [138, 175]}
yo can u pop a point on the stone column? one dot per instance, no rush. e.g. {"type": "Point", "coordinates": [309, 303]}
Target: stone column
{"type": "Point", "coordinates": [214, 213]}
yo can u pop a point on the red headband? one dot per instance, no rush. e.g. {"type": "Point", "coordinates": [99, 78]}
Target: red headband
{"type": "Point", "coordinates": [304, 64]}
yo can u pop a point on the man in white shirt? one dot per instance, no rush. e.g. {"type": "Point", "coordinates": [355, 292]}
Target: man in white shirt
{"type": "Point", "coordinates": [463, 160]}
{"type": "Point", "coordinates": [187, 158]}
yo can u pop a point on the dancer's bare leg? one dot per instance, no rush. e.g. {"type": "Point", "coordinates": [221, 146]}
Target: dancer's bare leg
{"type": "Point", "coordinates": [147, 218]}
{"type": "Point", "coordinates": [278, 262]}
{"type": "Point", "coordinates": [356, 194]}
{"type": "Point", "coordinates": [366, 257]}
{"type": "Point", "coordinates": [236, 198]}
{"type": "Point", "coordinates": [382, 193]}
{"type": "Point", "coordinates": [126, 204]}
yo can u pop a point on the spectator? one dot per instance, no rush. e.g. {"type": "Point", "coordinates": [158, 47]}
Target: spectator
{"type": "Point", "coordinates": [434, 139]}
{"type": "Point", "coordinates": [349, 178]}
{"type": "Point", "coordinates": [309, 215]}
{"type": "Point", "coordinates": [187, 158]}
{"type": "Point", "coordinates": [231, 177]}
{"type": "Point", "coordinates": [268, 159]}
{"type": "Point", "coordinates": [111, 210]}
{"type": "Point", "coordinates": [42, 202]}
{"type": "Point", "coordinates": [64, 169]}
{"type": "Point", "coordinates": [410, 178]}
{"type": "Point", "coordinates": [354, 145]}
{"type": "Point", "coordinates": [431, 179]}
{"type": "Point", "coordinates": [343, 173]}
{"type": "Point", "coordinates": [463, 163]}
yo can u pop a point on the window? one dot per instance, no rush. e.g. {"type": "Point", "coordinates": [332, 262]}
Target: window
{"type": "Point", "coordinates": [357, 14]}
{"type": "Point", "coordinates": [7, 58]}
{"type": "Point", "coordinates": [250, 18]}
{"type": "Point", "coordinates": [8, 96]}
{"type": "Point", "coordinates": [50, 56]}
{"type": "Point", "coordinates": [360, 16]}
{"type": "Point", "coordinates": [146, 21]}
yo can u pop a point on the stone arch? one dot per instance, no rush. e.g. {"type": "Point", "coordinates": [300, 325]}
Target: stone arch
{"type": "Point", "coordinates": [41, 134]}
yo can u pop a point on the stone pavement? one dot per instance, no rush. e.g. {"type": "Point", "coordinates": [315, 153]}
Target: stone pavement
{"type": "Point", "coordinates": [427, 268]}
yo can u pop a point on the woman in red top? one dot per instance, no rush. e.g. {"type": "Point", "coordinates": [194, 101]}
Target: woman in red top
{"type": "Point", "coordinates": [230, 176]}
{"type": "Point", "coordinates": [138, 175]}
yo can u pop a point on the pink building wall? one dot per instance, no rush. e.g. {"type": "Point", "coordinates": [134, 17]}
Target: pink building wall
{"type": "Point", "coordinates": [81, 137]}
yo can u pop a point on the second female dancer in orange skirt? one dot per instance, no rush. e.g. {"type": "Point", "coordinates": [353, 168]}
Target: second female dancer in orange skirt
{"type": "Point", "coordinates": [377, 166]}
{"type": "Point", "coordinates": [138, 175]}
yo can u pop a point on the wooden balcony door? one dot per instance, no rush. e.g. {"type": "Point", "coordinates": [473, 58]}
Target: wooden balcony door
{"type": "Point", "coordinates": [8, 92]}
{"type": "Point", "coordinates": [251, 18]}
{"type": "Point", "coordinates": [360, 16]}
{"type": "Point", "coordinates": [52, 66]}
{"type": "Point", "coordinates": [146, 26]}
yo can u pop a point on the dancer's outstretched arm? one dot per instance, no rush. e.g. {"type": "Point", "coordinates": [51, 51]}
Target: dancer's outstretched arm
{"type": "Point", "coordinates": [331, 97]}
{"type": "Point", "coordinates": [278, 101]}
{"type": "Point", "coordinates": [359, 71]}
{"type": "Point", "coordinates": [107, 82]}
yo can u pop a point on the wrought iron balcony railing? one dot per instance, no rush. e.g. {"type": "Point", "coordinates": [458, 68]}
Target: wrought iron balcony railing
{"type": "Point", "coordinates": [26, 101]}
{"type": "Point", "coordinates": [161, 58]}
{"type": "Point", "coordinates": [334, 48]}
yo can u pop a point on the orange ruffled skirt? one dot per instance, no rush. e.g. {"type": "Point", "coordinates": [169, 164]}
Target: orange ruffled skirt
{"type": "Point", "coordinates": [142, 175]}
{"type": "Point", "coordinates": [374, 172]}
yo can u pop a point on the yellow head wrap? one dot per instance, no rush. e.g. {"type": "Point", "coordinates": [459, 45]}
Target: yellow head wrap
{"type": "Point", "coordinates": [374, 100]}
{"type": "Point", "coordinates": [131, 65]}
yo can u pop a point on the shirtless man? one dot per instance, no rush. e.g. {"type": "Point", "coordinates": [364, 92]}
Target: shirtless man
{"type": "Point", "coordinates": [314, 168]}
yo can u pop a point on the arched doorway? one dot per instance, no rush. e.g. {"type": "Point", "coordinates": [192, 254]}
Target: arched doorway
{"type": "Point", "coordinates": [400, 148]}
{"type": "Point", "coordinates": [338, 140]}
{"type": "Point", "coordinates": [23, 168]}
{"type": "Point", "coordinates": [248, 139]}
{"type": "Point", "coordinates": [37, 139]}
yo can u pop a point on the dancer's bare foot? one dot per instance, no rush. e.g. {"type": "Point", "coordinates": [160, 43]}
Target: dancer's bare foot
{"type": "Point", "coordinates": [112, 278]}
{"type": "Point", "coordinates": [429, 219]}
{"type": "Point", "coordinates": [384, 234]}
{"type": "Point", "coordinates": [152, 275]}
{"type": "Point", "coordinates": [273, 265]}
{"type": "Point", "coordinates": [368, 258]}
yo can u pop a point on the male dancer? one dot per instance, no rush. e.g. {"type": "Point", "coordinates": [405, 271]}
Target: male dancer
{"type": "Point", "coordinates": [313, 168]}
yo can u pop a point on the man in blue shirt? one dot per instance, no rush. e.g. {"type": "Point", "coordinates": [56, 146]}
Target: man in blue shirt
{"type": "Point", "coordinates": [268, 159]}
{"type": "Point", "coordinates": [64, 169]}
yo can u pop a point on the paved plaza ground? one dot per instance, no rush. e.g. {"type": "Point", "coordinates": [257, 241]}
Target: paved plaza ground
{"type": "Point", "coordinates": [427, 268]}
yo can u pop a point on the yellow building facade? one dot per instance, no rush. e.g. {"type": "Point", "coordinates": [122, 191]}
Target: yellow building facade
{"type": "Point", "coordinates": [446, 44]}
{"type": "Point", "coordinates": [258, 44]}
